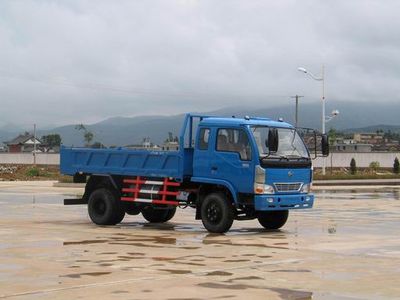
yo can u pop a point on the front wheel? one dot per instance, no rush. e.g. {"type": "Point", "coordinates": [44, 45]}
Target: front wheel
{"type": "Point", "coordinates": [273, 219]}
{"type": "Point", "coordinates": [158, 215]}
{"type": "Point", "coordinates": [217, 213]}
{"type": "Point", "coordinates": [104, 207]}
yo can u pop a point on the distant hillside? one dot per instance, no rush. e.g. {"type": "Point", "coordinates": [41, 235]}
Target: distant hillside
{"type": "Point", "coordinates": [121, 131]}
{"type": "Point", "coordinates": [375, 128]}
{"type": "Point", "coordinates": [6, 136]}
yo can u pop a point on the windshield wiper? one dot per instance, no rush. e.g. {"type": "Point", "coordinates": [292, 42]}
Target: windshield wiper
{"type": "Point", "coordinates": [274, 156]}
{"type": "Point", "coordinates": [298, 157]}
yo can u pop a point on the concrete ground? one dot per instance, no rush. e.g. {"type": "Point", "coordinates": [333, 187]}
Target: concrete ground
{"type": "Point", "coordinates": [347, 247]}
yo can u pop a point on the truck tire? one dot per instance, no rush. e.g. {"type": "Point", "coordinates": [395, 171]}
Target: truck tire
{"type": "Point", "coordinates": [217, 213]}
{"type": "Point", "coordinates": [273, 219]}
{"type": "Point", "coordinates": [104, 207]}
{"type": "Point", "coordinates": [158, 215]}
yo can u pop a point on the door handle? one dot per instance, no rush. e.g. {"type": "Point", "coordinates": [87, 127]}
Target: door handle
{"type": "Point", "coordinates": [214, 168]}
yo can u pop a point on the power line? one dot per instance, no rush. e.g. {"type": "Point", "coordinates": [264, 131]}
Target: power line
{"type": "Point", "coordinates": [99, 86]}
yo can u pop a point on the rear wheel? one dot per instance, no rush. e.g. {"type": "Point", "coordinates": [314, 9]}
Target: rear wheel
{"type": "Point", "coordinates": [273, 219]}
{"type": "Point", "coordinates": [154, 215]}
{"type": "Point", "coordinates": [104, 207]}
{"type": "Point", "coordinates": [217, 213]}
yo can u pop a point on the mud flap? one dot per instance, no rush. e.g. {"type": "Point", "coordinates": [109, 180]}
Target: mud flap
{"type": "Point", "coordinates": [75, 201]}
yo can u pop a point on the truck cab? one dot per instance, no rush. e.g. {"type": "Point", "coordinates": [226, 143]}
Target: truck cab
{"type": "Point", "coordinates": [264, 163]}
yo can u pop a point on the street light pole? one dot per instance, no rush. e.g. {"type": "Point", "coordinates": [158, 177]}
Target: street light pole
{"type": "Point", "coordinates": [322, 79]}
{"type": "Point", "coordinates": [323, 114]}
{"type": "Point", "coordinates": [323, 99]}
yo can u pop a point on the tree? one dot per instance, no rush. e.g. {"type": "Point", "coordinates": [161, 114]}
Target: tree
{"type": "Point", "coordinates": [87, 135]}
{"type": "Point", "coordinates": [332, 134]}
{"type": "Point", "coordinates": [52, 140]}
{"type": "Point", "coordinates": [375, 165]}
{"type": "Point", "coordinates": [353, 167]}
{"type": "Point", "coordinates": [396, 166]}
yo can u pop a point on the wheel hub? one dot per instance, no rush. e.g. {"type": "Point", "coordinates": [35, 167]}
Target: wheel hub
{"type": "Point", "coordinates": [213, 213]}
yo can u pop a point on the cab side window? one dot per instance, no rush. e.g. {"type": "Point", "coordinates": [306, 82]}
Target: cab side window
{"type": "Point", "coordinates": [204, 137]}
{"type": "Point", "coordinates": [234, 140]}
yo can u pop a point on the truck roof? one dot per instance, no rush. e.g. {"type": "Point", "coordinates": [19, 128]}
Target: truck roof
{"type": "Point", "coordinates": [243, 121]}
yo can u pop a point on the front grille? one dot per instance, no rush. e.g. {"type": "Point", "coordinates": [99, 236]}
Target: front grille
{"type": "Point", "coordinates": [288, 187]}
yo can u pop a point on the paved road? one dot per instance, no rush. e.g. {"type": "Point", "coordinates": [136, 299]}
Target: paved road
{"type": "Point", "coordinates": [347, 247]}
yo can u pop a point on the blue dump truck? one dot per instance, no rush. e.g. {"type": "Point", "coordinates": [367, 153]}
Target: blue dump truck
{"type": "Point", "coordinates": [226, 169]}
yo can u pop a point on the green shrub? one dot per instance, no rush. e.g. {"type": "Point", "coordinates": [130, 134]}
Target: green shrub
{"type": "Point", "coordinates": [375, 165]}
{"type": "Point", "coordinates": [353, 167]}
{"type": "Point", "coordinates": [33, 172]}
{"type": "Point", "coordinates": [396, 166]}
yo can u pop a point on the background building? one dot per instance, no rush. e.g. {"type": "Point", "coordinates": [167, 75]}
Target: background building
{"type": "Point", "coordinates": [23, 143]}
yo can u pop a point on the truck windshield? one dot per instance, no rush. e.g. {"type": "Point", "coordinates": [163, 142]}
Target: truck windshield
{"type": "Point", "coordinates": [290, 145]}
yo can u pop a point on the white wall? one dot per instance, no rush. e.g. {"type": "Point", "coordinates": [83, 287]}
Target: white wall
{"type": "Point", "coordinates": [343, 159]}
{"type": "Point", "coordinates": [27, 158]}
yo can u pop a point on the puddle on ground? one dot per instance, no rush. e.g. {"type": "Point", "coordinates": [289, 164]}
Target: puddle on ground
{"type": "Point", "coordinates": [290, 271]}
{"type": "Point", "coordinates": [292, 294]}
{"type": "Point", "coordinates": [85, 242]}
{"type": "Point", "coordinates": [187, 263]}
{"type": "Point", "coordinates": [236, 260]}
{"type": "Point", "coordinates": [283, 293]}
{"type": "Point", "coordinates": [219, 273]}
{"type": "Point", "coordinates": [120, 292]}
{"type": "Point", "coordinates": [230, 243]}
{"type": "Point", "coordinates": [176, 271]}
{"type": "Point", "coordinates": [79, 275]}
{"type": "Point", "coordinates": [244, 278]}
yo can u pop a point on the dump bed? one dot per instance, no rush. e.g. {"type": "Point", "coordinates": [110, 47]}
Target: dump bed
{"type": "Point", "coordinates": [123, 161]}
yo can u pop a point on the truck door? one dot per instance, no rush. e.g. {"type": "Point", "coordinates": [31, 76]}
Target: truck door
{"type": "Point", "coordinates": [232, 158]}
{"type": "Point", "coordinates": [202, 153]}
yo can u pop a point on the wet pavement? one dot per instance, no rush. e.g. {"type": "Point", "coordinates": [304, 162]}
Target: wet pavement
{"type": "Point", "coordinates": [347, 247]}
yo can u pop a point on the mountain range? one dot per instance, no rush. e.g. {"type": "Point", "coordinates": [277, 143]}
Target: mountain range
{"type": "Point", "coordinates": [119, 131]}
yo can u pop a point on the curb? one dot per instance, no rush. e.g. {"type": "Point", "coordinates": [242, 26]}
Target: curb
{"type": "Point", "coordinates": [356, 182]}
{"type": "Point", "coordinates": [68, 185]}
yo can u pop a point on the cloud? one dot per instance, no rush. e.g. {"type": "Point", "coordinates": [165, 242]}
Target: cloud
{"type": "Point", "coordinates": [82, 61]}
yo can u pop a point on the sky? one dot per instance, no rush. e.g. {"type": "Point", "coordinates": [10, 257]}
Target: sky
{"type": "Point", "coordinates": [82, 61]}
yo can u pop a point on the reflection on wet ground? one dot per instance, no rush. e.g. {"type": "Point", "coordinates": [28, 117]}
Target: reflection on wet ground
{"type": "Point", "coordinates": [347, 247]}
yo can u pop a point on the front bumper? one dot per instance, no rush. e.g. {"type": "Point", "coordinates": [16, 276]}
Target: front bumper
{"type": "Point", "coordinates": [283, 202]}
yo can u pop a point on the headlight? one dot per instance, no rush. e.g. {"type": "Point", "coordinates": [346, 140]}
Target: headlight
{"type": "Point", "coordinates": [268, 189]}
{"type": "Point", "coordinates": [306, 188]}
{"type": "Point", "coordinates": [263, 189]}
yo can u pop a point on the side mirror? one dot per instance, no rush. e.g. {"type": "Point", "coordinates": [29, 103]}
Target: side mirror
{"type": "Point", "coordinates": [325, 145]}
{"type": "Point", "coordinates": [273, 140]}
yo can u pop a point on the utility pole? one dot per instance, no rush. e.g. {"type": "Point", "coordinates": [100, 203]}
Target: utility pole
{"type": "Point", "coordinates": [34, 144]}
{"type": "Point", "coordinates": [323, 114]}
{"type": "Point", "coordinates": [297, 109]}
